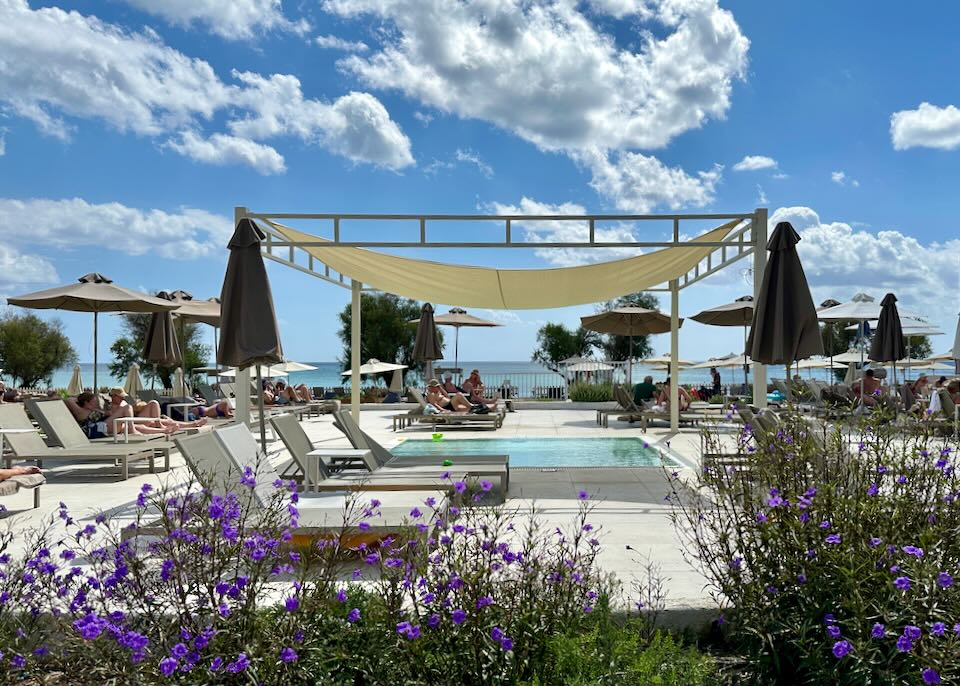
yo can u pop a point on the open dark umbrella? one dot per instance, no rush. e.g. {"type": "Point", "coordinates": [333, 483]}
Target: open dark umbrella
{"type": "Point", "coordinates": [428, 346]}
{"type": "Point", "coordinates": [737, 313]}
{"type": "Point", "coordinates": [888, 344]}
{"type": "Point", "coordinates": [630, 322]}
{"type": "Point", "coordinates": [160, 345]}
{"type": "Point", "coordinates": [785, 327]}
{"type": "Point", "coordinates": [249, 333]}
{"type": "Point", "coordinates": [92, 293]}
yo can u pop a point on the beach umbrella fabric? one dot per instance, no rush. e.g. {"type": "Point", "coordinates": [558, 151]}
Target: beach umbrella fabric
{"type": "Point", "coordinates": [375, 366]}
{"type": "Point", "coordinates": [75, 387]}
{"type": "Point", "coordinates": [160, 345]}
{"type": "Point", "coordinates": [665, 359]}
{"type": "Point", "coordinates": [785, 327]}
{"type": "Point", "coordinates": [629, 322]}
{"type": "Point", "coordinates": [888, 344]}
{"type": "Point", "coordinates": [249, 332]}
{"type": "Point", "coordinates": [737, 313]}
{"type": "Point", "coordinates": [132, 385]}
{"type": "Point", "coordinates": [94, 293]}
{"type": "Point", "coordinates": [179, 383]}
{"type": "Point", "coordinates": [427, 346]}
{"type": "Point", "coordinates": [274, 370]}
{"type": "Point", "coordinates": [458, 317]}
{"type": "Point", "coordinates": [590, 366]}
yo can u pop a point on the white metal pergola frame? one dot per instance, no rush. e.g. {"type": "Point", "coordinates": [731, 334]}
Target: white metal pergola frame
{"type": "Point", "coordinates": [747, 238]}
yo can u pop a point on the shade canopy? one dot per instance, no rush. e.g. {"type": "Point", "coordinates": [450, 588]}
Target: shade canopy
{"type": "Point", "coordinates": [888, 344]}
{"type": "Point", "coordinates": [665, 359]}
{"type": "Point", "coordinates": [250, 334]}
{"type": "Point", "coordinates": [374, 366]}
{"type": "Point", "coordinates": [910, 326]}
{"type": "Point", "coordinates": [628, 321]}
{"type": "Point", "coordinates": [737, 313]}
{"type": "Point", "coordinates": [516, 289]}
{"type": "Point", "coordinates": [93, 292]}
{"type": "Point", "coordinates": [820, 363]}
{"type": "Point", "coordinates": [829, 302]}
{"type": "Point", "coordinates": [715, 361]}
{"type": "Point", "coordinates": [934, 365]}
{"type": "Point", "coordinates": [457, 317]}
{"type": "Point", "coordinates": [855, 355]}
{"type": "Point", "coordinates": [785, 325]}
{"type": "Point", "coordinates": [272, 370]}
{"type": "Point", "coordinates": [861, 307]}
{"type": "Point", "coordinates": [590, 366]}
{"type": "Point", "coordinates": [202, 311]}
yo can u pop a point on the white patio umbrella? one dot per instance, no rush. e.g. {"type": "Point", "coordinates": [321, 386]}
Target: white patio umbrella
{"type": "Point", "coordinates": [75, 387]}
{"type": "Point", "coordinates": [665, 359]}
{"type": "Point", "coordinates": [133, 384]}
{"type": "Point", "coordinates": [590, 366]}
{"type": "Point", "coordinates": [375, 366]}
{"type": "Point", "coordinates": [179, 383]}
{"type": "Point", "coordinates": [714, 362]}
{"type": "Point", "coordinates": [912, 327]}
{"type": "Point", "coordinates": [275, 370]}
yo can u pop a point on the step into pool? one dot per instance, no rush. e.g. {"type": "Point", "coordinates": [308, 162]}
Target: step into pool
{"type": "Point", "coordinates": [545, 452]}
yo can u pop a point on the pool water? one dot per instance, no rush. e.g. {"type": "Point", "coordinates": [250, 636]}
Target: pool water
{"type": "Point", "coordinates": [545, 452]}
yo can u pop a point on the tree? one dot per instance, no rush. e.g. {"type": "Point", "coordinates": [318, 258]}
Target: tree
{"type": "Point", "coordinates": [836, 338]}
{"type": "Point", "coordinates": [31, 349]}
{"type": "Point", "coordinates": [386, 331]}
{"type": "Point", "coordinates": [920, 347]}
{"type": "Point", "coordinates": [556, 343]}
{"type": "Point", "coordinates": [618, 347]}
{"type": "Point", "coordinates": [128, 349]}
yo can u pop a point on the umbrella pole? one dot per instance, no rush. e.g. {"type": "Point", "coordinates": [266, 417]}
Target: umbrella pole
{"type": "Point", "coordinates": [95, 353]}
{"type": "Point", "coordinates": [745, 365]}
{"type": "Point", "coordinates": [456, 352]}
{"type": "Point", "coordinates": [263, 426]}
{"type": "Point", "coordinates": [630, 361]}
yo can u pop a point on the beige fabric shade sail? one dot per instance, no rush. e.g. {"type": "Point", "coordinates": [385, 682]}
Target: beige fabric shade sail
{"type": "Point", "coordinates": [510, 289]}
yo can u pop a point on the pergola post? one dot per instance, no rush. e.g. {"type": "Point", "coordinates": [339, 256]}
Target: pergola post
{"type": "Point", "coordinates": [758, 233]}
{"type": "Point", "coordinates": [355, 287]}
{"type": "Point", "coordinates": [242, 385]}
{"type": "Point", "coordinates": [674, 355]}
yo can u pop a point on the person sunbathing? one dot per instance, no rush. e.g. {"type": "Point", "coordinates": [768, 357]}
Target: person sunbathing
{"type": "Point", "coordinates": [17, 471]}
{"type": "Point", "coordinates": [664, 398]}
{"type": "Point", "coordinates": [449, 386]}
{"type": "Point", "coordinates": [871, 387]}
{"type": "Point", "coordinates": [97, 422]}
{"type": "Point", "coordinates": [439, 398]}
{"type": "Point", "coordinates": [921, 387]}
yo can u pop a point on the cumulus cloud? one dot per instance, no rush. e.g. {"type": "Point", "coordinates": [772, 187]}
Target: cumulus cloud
{"type": "Point", "coordinates": [19, 271]}
{"type": "Point", "coordinates": [134, 82]}
{"type": "Point", "coordinates": [220, 149]}
{"type": "Point", "coordinates": [337, 43]}
{"type": "Point", "coordinates": [230, 19]}
{"type": "Point", "coordinates": [69, 223]}
{"type": "Point", "coordinates": [639, 183]}
{"type": "Point", "coordinates": [840, 260]}
{"type": "Point", "coordinates": [841, 179]}
{"type": "Point", "coordinates": [546, 73]}
{"type": "Point", "coordinates": [755, 162]}
{"type": "Point", "coordinates": [928, 126]}
{"type": "Point", "coordinates": [544, 231]}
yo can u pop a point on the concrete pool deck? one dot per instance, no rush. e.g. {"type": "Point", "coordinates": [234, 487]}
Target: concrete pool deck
{"type": "Point", "coordinates": [629, 502]}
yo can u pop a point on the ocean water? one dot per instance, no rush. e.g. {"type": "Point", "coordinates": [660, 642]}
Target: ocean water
{"type": "Point", "coordinates": [494, 373]}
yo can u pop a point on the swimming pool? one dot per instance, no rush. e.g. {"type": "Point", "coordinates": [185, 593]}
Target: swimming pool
{"type": "Point", "coordinates": [545, 452]}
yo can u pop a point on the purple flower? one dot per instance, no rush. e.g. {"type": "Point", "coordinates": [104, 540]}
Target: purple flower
{"type": "Point", "coordinates": [168, 666]}
{"type": "Point", "coordinates": [902, 583]}
{"type": "Point", "coordinates": [873, 489]}
{"type": "Point", "coordinates": [249, 480]}
{"type": "Point", "coordinates": [930, 676]}
{"type": "Point", "coordinates": [904, 644]}
{"type": "Point", "coordinates": [496, 633]}
{"type": "Point", "coordinates": [912, 632]}
{"type": "Point", "coordinates": [460, 486]}
{"type": "Point", "coordinates": [761, 517]}
{"type": "Point", "coordinates": [944, 580]}
{"type": "Point", "coordinates": [485, 485]}
{"type": "Point", "coordinates": [833, 631]}
{"type": "Point", "coordinates": [416, 513]}
{"type": "Point", "coordinates": [288, 655]}
{"type": "Point", "coordinates": [216, 664]}
{"type": "Point", "coordinates": [483, 601]}
{"type": "Point", "coordinates": [874, 542]}
{"type": "Point", "coordinates": [938, 628]}
{"type": "Point", "coordinates": [583, 495]}
{"type": "Point", "coordinates": [291, 604]}
{"type": "Point", "coordinates": [239, 665]}
{"type": "Point", "coordinates": [841, 648]}
{"type": "Point", "coordinates": [179, 651]}
{"type": "Point", "coordinates": [433, 621]}
{"type": "Point", "coordinates": [877, 631]}
{"type": "Point", "coordinates": [458, 616]}
{"type": "Point", "coordinates": [506, 644]}
{"type": "Point", "coordinates": [913, 550]}
{"type": "Point", "coordinates": [354, 616]}
{"type": "Point", "coordinates": [833, 539]}
{"type": "Point", "coordinates": [825, 524]}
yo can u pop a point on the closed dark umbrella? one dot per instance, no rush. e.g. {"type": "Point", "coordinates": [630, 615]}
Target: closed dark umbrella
{"type": "Point", "coordinates": [249, 334]}
{"type": "Point", "coordinates": [428, 346]}
{"type": "Point", "coordinates": [888, 344]}
{"type": "Point", "coordinates": [785, 326]}
{"type": "Point", "coordinates": [160, 345]}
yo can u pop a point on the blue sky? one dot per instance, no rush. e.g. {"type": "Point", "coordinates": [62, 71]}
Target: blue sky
{"type": "Point", "coordinates": [130, 129]}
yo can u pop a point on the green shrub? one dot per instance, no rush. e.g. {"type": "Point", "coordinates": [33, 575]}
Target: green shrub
{"type": "Point", "coordinates": [590, 392]}
{"type": "Point", "coordinates": [834, 551]}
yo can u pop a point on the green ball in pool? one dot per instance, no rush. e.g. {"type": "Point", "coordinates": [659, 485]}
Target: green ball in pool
{"type": "Point", "coordinates": [437, 437]}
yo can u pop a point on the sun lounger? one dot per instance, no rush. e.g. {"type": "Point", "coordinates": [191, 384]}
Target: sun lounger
{"type": "Point", "coordinates": [29, 446]}
{"type": "Point", "coordinates": [242, 448]}
{"type": "Point", "coordinates": [58, 423]}
{"type": "Point", "coordinates": [603, 414]}
{"type": "Point", "coordinates": [644, 416]}
{"type": "Point", "coordinates": [13, 485]}
{"type": "Point", "coordinates": [299, 444]}
{"type": "Point", "coordinates": [493, 419]}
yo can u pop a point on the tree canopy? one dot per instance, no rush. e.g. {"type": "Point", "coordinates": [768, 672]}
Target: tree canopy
{"type": "Point", "coordinates": [556, 343]}
{"type": "Point", "coordinates": [31, 349]}
{"type": "Point", "coordinates": [618, 347]}
{"type": "Point", "coordinates": [386, 333]}
{"type": "Point", "coordinates": [128, 349]}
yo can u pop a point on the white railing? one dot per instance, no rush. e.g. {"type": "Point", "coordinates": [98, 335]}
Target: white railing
{"type": "Point", "coordinates": [526, 385]}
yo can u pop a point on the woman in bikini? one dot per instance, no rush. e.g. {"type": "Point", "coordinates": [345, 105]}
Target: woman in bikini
{"type": "Point", "coordinates": [437, 397]}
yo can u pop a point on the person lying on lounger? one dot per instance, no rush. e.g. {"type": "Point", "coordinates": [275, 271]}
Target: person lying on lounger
{"type": "Point", "coordinates": [99, 423]}
{"type": "Point", "coordinates": [17, 471]}
{"type": "Point", "coordinates": [439, 398]}
{"type": "Point", "coordinates": [663, 401]}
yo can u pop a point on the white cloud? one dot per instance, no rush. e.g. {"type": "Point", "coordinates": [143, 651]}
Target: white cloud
{"type": "Point", "coordinates": [567, 232]}
{"type": "Point", "coordinates": [755, 162]}
{"type": "Point", "coordinates": [761, 196]}
{"type": "Point", "coordinates": [928, 126]}
{"type": "Point", "coordinates": [3, 142]}
{"type": "Point", "coordinates": [780, 176]}
{"type": "Point", "coordinates": [471, 157]}
{"type": "Point", "coordinates": [544, 72]}
{"type": "Point", "coordinates": [619, 9]}
{"type": "Point", "coordinates": [19, 270]}
{"type": "Point", "coordinates": [840, 260]}
{"type": "Point", "coordinates": [230, 19]}
{"type": "Point", "coordinates": [134, 82]}
{"type": "Point", "coordinates": [841, 179]}
{"type": "Point", "coordinates": [71, 223]}
{"type": "Point", "coordinates": [337, 43]}
{"type": "Point", "coordinates": [423, 117]}
{"type": "Point", "coordinates": [220, 149]}
{"type": "Point", "coordinates": [639, 183]}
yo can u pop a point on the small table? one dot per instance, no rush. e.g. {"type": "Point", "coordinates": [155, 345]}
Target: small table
{"type": "Point", "coordinates": [334, 456]}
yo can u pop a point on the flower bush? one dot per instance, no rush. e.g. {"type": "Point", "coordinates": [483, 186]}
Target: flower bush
{"type": "Point", "coordinates": [205, 588]}
{"type": "Point", "coordinates": [833, 550]}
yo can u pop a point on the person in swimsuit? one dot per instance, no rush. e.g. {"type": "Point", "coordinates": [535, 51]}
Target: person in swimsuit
{"type": "Point", "coordinates": [664, 399]}
{"type": "Point", "coordinates": [99, 423]}
{"type": "Point", "coordinates": [439, 398]}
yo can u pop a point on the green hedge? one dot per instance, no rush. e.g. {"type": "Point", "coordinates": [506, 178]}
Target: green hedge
{"type": "Point", "coordinates": [591, 392]}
